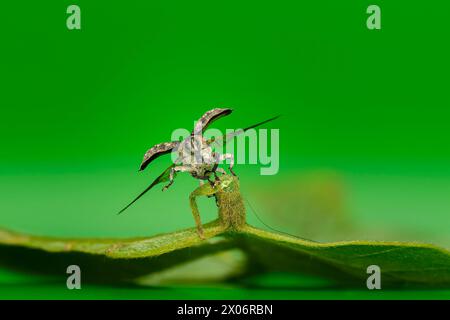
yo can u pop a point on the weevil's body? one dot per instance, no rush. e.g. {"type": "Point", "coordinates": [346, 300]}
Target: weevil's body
{"type": "Point", "coordinates": [195, 155]}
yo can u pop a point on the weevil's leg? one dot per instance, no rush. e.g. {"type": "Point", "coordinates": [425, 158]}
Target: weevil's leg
{"type": "Point", "coordinates": [221, 170]}
{"type": "Point", "coordinates": [172, 173]}
{"type": "Point", "coordinates": [204, 190]}
{"type": "Point", "coordinates": [216, 168]}
{"type": "Point", "coordinates": [228, 156]}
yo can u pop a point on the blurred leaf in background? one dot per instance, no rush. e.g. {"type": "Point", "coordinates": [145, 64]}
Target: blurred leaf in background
{"type": "Point", "coordinates": [310, 205]}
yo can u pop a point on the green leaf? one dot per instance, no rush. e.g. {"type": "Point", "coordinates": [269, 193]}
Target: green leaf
{"type": "Point", "coordinates": [400, 262]}
{"type": "Point", "coordinates": [182, 256]}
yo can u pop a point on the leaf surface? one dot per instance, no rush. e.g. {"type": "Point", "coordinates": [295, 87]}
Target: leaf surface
{"type": "Point", "coordinates": [180, 257]}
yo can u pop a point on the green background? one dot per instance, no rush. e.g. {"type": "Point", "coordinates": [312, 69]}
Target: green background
{"type": "Point", "coordinates": [79, 109]}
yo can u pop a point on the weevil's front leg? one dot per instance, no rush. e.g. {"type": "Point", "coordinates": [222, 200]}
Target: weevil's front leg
{"type": "Point", "coordinates": [220, 170]}
{"type": "Point", "coordinates": [204, 190]}
{"type": "Point", "coordinates": [228, 156]}
{"type": "Point", "coordinates": [172, 174]}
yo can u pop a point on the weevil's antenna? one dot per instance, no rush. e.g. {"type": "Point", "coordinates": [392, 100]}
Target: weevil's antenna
{"type": "Point", "coordinates": [273, 229]}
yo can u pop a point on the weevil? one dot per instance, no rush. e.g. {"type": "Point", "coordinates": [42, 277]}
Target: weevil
{"type": "Point", "coordinates": [195, 155]}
